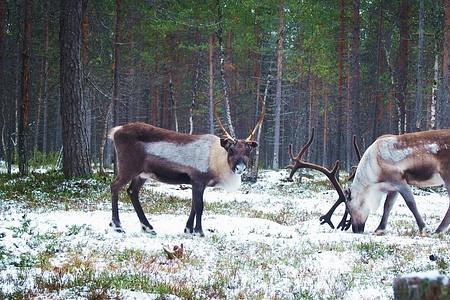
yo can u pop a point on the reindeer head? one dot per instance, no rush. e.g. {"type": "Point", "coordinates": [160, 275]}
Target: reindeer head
{"type": "Point", "coordinates": [238, 153]}
{"type": "Point", "coordinates": [239, 150]}
{"type": "Point", "coordinates": [357, 207]}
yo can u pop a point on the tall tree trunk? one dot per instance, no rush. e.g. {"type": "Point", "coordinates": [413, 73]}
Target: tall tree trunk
{"type": "Point", "coordinates": [325, 126]}
{"type": "Point", "coordinates": [418, 116]}
{"type": "Point", "coordinates": [341, 81]}
{"type": "Point", "coordinates": [354, 77]}
{"type": "Point", "coordinates": [165, 114]}
{"type": "Point", "coordinates": [43, 87]}
{"type": "Point", "coordinates": [117, 62]}
{"type": "Point", "coordinates": [24, 114]}
{"type": "Point", "coordinates": [280, 49]}
{"type": "Point", "coordinates": [402, 78]}
{"type": "Point", "coordinates": [76, 155]}
{"type": "Point", "coordinates": [434, 92]}
{"type": "Point", "coordinates": [445, 109]}
{"type": "Point", "coordinates": [155, 97]}
{"type": "Point", "coordinates": [226, 97]}
{"type": "Point", "coordinates": [84, 60]}
{"type": "Point", "coordinates": [378, 105]}
{"type": "Point", "coordinates": [194, 85]}
{"type": "Point", "coordinates": [211, 83]}
{"type": "Point", "coordinates": [3, 99]}
{"type": "Point", "coordinates": [173, 101]}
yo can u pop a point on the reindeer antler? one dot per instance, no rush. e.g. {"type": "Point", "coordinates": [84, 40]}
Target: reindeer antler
{"type": "Point", "coordinates": [331, 174]}
{"type": "Point", "coordinates": [344, 224]}
{"type": "Point", "coordinates": [358, 155]}
{"type": "Point", "coordinates": [225, 132]}
{"type": "Point", "coordinates": [251, 137]}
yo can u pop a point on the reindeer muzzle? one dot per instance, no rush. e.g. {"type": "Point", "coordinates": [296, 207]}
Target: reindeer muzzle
{"type": "Point", "coordinates": [240, 168]}
{"type": "Point", "coordinates": [358, 228]}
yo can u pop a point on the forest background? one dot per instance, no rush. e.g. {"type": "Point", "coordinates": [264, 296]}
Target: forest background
{"type": "Point", "coordinates": [70, 70]}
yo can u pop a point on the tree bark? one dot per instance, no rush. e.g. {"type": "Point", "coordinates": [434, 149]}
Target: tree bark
{"type": "Point", "coordinates": [280, 49]}
{"type": "Point", "coordinates": [434, 92]}
{"type": "Point", "coordinates": [353, 100]}
{"type": "Point", "coordinates": [43, 87]}
{"type": "Point", "coordinates": [419, 76]}
{"type": "Point", "coordinates": [226, 97]}
{"type": "Point", "coordinates": [3, 101]}
{"type": "Point", "coordinates": [325, 126]}
{"type": "Point", "coordinates": [378, 103]}
{"type": "Point", "coordinates": [402, 78]}
{"type": "Point", "coordinates": [211, 83]}
{"type": "Point", "coordinates": [117, 62]}
{"type": "Point", "coordinates": [76, 155]}
{"type": "Point", "coordinates": [341, 81]}
{"type": "Point", "coordinates": [195, 84]}
{"type": "Point", "coordinates": [84, 60]}
{"type": "Point", "coordinates": [173, 102]}
{"type": "Point", "coordinates": [445, 109]}
{"type": "Point", "coordinates": [155, 97]}
{"type": "Point", "coordinates": [24, 113]}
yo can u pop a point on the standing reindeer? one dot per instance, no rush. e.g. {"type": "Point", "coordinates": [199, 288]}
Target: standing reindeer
{"type": "Point", "coordinates": [388, 167]}
{"type": "Point", "coordinates": [144, 151]}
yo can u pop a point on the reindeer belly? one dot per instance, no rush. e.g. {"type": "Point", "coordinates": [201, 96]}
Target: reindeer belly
{"type": "Point", "coordinates": [170, 178]}
{"type": "Point", "coordinates": [423, 176]}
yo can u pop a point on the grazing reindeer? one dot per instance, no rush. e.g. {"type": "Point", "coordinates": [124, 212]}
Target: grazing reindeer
{"type": "Point", "coordinates": [388, 168]}
{"type": "Point", "coordinates": [144, 151]}
{"type": "Point", "coordinates": [390, 165]}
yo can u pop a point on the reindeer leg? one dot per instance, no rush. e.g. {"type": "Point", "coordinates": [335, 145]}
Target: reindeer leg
{"type": "Point", "coordinates": [405, 191]}
{"type": "Point", "coordinates": [388, 204]}
{"type": "Point", "coordinates": [133, 192]}
{"type": "Point", "coordinates": [446, 220]}
{"type": "Point", "coordinates": [190, 222]}
{"type": "Point", "coordinates": [197, 202]}
{"type": "Point", "coordinates": [116, 186]}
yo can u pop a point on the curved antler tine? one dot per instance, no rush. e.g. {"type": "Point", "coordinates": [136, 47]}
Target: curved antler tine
{"type": "Point", "coordinates": [352, 176]}
{"type": "Point", "coordinates": [335, 168]}
{"type": "Point", "coordinates": [225, 132]}
{"type": "Point", "coordinates": [344, 225]}
{"type": "Point", "coordinates": [326, 218]}
{"type": "Point", "coordinates": [251, 137]}
{"type": "Point", "coordinates": [291, 155]}
{"type": "Point", "coordinates": [358, 152]}
{"type": "Point", "coordinates": [305, 148]}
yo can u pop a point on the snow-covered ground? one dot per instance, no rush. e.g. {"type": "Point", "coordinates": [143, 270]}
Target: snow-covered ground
{"type": "Point", "coordinates": [263, 241]}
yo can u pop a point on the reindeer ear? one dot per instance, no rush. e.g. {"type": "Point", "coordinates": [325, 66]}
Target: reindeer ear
{"type": "Point", "coordinates": [226, 143]}
{"type": "Point", "coordinates": [253, 144]}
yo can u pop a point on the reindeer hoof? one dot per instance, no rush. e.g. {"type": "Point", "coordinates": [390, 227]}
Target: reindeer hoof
{"type": "Point", "coordinates": [188, 230]}
{"type": "Point", "coordinates": [148, 230]}
{"type": "Point", "coordinates": [116, 228]}
{"type": "Point", "coordinates": [199, 232]}
{"type": "Point", "coordinates": [425, 231]}
{"type": "Point", "coordinates": [379, 232]}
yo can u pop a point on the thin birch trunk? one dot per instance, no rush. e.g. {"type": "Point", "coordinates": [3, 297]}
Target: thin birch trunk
{"type": "Point", "coordinates": [211, 83]}
{"type": "Point", "coordinates": [280, 48]}
{"type": "Point", "coordinates": [173, 102]}
{"type": "Point", "coordinates": [194, 86]}
{"type": "Point", "coordinates": [434, 93]}
{"type": "Point", "coordinates": [226, 97]}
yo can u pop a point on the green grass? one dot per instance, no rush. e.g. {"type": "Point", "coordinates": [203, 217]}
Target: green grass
{"type": "Point", "coordinates": [374, 250]}
{"type": "Point", "coordinates": [52, 190]}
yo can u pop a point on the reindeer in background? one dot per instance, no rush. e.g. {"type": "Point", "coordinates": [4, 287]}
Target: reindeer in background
{"type": "Point", "coordinates": [388, 167]}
